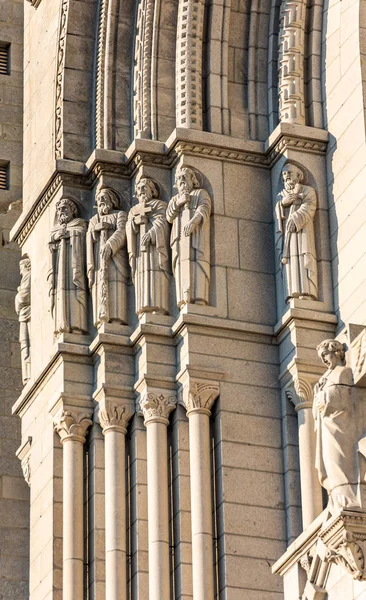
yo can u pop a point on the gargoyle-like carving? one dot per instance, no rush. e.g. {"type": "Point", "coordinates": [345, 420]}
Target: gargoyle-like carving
{"type": "Point", "coordinates": [334, 415]}
{"type": "Point", "coordinates": [189, 212]}
{"type": "Point", "coordinates": [73, 424]}
{"type": "Point", "coordinates": [107, 263]}
{"type": "Point", "coordinates": [23, 309]}
{"type": "Point", "coordinates": [66, 276]}
{"type": "Point", "coordinates": [157, 406]}
{"type": "Point", "coordinates": [147, 239]}
{"type": "Point", "coordinates": [295, 241]}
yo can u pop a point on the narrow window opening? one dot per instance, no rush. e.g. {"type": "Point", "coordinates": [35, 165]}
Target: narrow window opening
{"type": "Point", "coordinates": [4, 176]}
{"type": "Point", "coordinates": [4, 58]}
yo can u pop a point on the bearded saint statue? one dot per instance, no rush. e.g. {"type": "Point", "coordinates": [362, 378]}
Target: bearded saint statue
{"type": "Point", "coordinates": [295, 241]}
{"type": "Point", "coordinates": [23, 310]}
{"type": "Point", "coordinates": [66, 275]}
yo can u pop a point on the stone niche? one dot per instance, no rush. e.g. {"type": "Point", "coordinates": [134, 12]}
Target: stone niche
{"type": "Point", "coordinates": [328, 560]}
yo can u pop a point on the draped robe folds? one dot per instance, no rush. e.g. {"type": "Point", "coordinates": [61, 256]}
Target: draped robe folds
{"type": "Point", "coordinates": [191, 267]}
{"type": "Point", "coordinates": [66, 278]}
{"type": "Point", "coordinates": [300, 272]}
{"type": "Point", "coordinates": [23, 310]}
{"type": "Point", "coordinates": [336, 438]}
{"type": "Point", "coordinates": [150, 268]}
{"type": "Point", "coordinates": [110, 280]}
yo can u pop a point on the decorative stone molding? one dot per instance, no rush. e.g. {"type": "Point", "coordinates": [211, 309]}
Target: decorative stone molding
{"type": "Point", "coordinates": [23, 453]}
{"type": "Point", "coordinates": [291, 61]}
{"type": "Point", "coordinates": [73, 423]}
{"type": "Point", "coordinates": [100, 74]}
{"type": "Point", "coordinates": [359, 359]}
{"type": "Point", "coordinates": [157, 406]}
{"type": "Point", "coordinates": [142, 70]}
{"type": "Point", "coordinates": [60, 73]}
{"type": "Point", "coordinates": [199, 396]}
{"type": "Point", "coordinates": [113, 415]}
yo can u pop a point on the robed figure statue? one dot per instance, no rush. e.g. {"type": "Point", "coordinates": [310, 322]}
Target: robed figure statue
{"type": "Point", "coordinates": [295, 241]}
{"type": "Point", "coordinates": [189, 212]}
{"type": "Point", "coordinates": [23, 310]}
{"type": "Point", "coordinates": [147, 242]}
{"type": "Point", "coordinates": [66, 276]}
{"type": "Point", "coordinates": [107, 262]}
{"type": "Point", "coordinates": [335, 426]}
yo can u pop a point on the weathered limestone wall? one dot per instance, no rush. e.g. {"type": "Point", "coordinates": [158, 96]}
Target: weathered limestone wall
{"type": "Point", "coordinates": [14, 492]}
{"type": "Point", "coordinates": [343, 100]}
{"type": "Point", "coordinates": [11, 97]}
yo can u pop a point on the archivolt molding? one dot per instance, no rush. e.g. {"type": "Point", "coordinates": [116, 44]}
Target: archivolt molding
{"type": "Point", "coordinates": [142, 70]}
{"type": "Point", "coordinates": [60, 74]}
{"type": "Point", "coordinates": [189, 63]}
{"type": "Point", "coordinates": [100, 74]}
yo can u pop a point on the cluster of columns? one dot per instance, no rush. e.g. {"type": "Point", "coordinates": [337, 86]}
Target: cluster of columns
{"type": "Point", "coordinates": [113, 414]}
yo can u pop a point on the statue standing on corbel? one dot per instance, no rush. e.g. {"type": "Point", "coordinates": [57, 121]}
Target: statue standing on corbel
{"type": "Point", "coordinates": [335, 426]}
{"type": "Point", "coordinates": [295, 240]}
{"type": "Point", "coordinates": [107, 262]}
{"type": "Point", "coordinates": [189, 212]}
{"type": "Point", "coordinates": [66, 276]}
{"type": "Point", "coordinates": [23, 310]}
{"type": "Point", "coordinates": [147, 241]}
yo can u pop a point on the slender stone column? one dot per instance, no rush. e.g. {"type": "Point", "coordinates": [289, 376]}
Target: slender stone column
{"type": "Point", "coordinates": [198, 399]}
{"type": "Point", "coordinates": [311, 493]}
{"type": "Point", "coordinates": [156, 408]}
{"type": "Point", "coordinates": [72, 425]}
{"type": "Point", "coordinates": [113, 418]}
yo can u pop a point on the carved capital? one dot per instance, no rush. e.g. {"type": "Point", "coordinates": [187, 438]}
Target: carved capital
{"type": "Point", "coordinates": [300, 392]}
{"type": "Point", "coordinates": [157, 406]}
{"type": "Point", "coordinates": [114, 416]}
{"type": "Point", "coordinates": [350, 556]}
{"type": "Point", "coordinates": [72, 424]}
{"type": "Point", "coordinates": [199, 396]}
{"type": "Point", "coordinates": [23, 453]}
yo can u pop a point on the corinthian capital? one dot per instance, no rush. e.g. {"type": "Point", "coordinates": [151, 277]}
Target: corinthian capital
{"type": "Point", "coordinates": [156, 407]}
{"type": "Point", "coordinates": [114, 416]}
{"type": "Point", "coordinates": [72, 424]}
{"type": "Point", "coordinates": [199, 396]}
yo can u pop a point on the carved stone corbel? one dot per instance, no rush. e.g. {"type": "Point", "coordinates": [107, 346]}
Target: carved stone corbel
{"type": "Point", "coordinates": [23, 453]}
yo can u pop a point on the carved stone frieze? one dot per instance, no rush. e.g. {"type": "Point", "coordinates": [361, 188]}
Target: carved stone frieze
{"type": "Point", "coordinates": [295, 239]}
{"type": "Point", "coordinates": [66, 274]}
{"type": "Point", "coordinates": [156, 406]}
{"type": "Point", "coordinates": [189, 213]}
{"type": "Point", "coordinates": [73, 423]}
{"type": "Point", "coordinates": [23, 310]}
{"type": "Point", "coordinates": [113, 415]}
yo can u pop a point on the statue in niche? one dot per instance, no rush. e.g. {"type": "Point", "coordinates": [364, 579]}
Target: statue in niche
{"type": "Point", "coordinates": [147, 242]}
{"type": "Point", "coordinates": [335, 426]}
{"type": "Point", "coordinates": [23, 310]}
{"type": "Point", "coordinates": [107, 263]}
{"type": "Point", "coordinates": [66, 276]}
{"type": "Point", "coordinates": [295, 241]}
{"type": "Point", "coordinates": [189, 212]}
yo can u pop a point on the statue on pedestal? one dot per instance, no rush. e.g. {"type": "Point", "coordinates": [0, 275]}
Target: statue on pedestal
{"type": "Point", "coordinates": [189, 212]}
{"type": "Point", "coordinates": [107, 263]}
{"type": "Point", "coordinates": [23, 310]}
{"type": "Point", "coordinates": [335, 426]}
{"type": "Point", "coordinates": [147, 242]}
{"type": "Point", "coordinates": [66, 276]}
{"type": "Point", "coordinates": [295, 239]}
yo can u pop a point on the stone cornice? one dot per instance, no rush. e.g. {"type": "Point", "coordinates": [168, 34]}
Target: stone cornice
{"type": "Point", "coordinates": [157, 154]}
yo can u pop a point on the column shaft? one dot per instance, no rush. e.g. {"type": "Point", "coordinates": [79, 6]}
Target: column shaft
{"type": "Point", "coordinates": [157, 479]}
{"type": "Point", "coordinates": [73, 520]}
{"type": "Point", "coordinates": [201, 505]}
{"type": "Point", "coordinates": [115, 515]}
{"type": "Point", "coordinates": [311, 492]}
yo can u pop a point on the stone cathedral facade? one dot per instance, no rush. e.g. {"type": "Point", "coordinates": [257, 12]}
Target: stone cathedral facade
{"type": "Point", "coordinates": [182, 300]}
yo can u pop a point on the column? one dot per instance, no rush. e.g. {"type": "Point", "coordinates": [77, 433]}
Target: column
{"type": "Point", "coordinates": [72, 425]}
{"type": "Point", "coordinates": [113, 418]}
{"type": "Point", "coordinates": [156, 408]}
{"type": "Point", "coordinates": [198, 399]}
{"type": "Point", "coordinates": [311, 492]}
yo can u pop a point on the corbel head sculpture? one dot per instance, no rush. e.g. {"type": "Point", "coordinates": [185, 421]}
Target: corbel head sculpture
{"type": "Point", "coordinates": [331, 353]}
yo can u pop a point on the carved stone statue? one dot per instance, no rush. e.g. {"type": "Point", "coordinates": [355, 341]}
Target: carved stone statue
{"type": "Point", "coordinates": [189, 212]}
{"type": "Point", "coordinates": [335, 426]}
{"type": "Point", "coordinates": [147, 240]}
{"type": "Point", "coordinates": [295, 239]}
{"type": "Point", "coordinates": [107, 263]}
{"type": "Point", "coordinates": [23, 310]}
{"type": "Point", "coordinates": [66, 276]}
